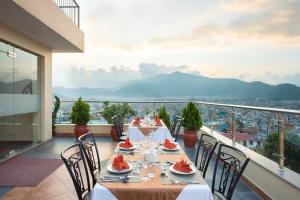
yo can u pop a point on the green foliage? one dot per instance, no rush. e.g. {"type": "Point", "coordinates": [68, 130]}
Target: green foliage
{"type": "Point", "coordinates": [123, 110]}
{"type": "Point", "coordinates": [80, 112]}
{"type": "Point", "coordinates": [240, 123]}
{"type": "Point", "coordinates": [291, 150]}
{"type": "Point", "coordinates": [192, 120]}
{"type": "Point", "coordinates": [55, 110]}
{"type": "Point", "coordinates": [164, 116]}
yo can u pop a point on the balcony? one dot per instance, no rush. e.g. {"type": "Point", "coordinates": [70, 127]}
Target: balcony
{"type": "Point", "coordinates": [55, 27]}
{"type": "Point", "coordinates": [244, 127]}
{"type": "Point", "coordinates": [70, 8]}
{"type": "Point", "coordinates": [263, 169]}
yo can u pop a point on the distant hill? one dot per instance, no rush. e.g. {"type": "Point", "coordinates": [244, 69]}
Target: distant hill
{"type": "Point", "coordinates": [179, 84]}
{"type": "Point", "coordinates": [64, 92]}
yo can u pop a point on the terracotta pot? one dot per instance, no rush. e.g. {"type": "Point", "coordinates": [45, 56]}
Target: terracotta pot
{"type": "Point", "coordinates": [114, 134]}
{"type": "Point", "coordinates": [80, 130]}
{"type": "Point", "coordinates": [190, 138]}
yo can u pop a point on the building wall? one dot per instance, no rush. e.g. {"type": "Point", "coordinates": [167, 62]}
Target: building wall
{"type": "Point", "coordinates": [45, 62]}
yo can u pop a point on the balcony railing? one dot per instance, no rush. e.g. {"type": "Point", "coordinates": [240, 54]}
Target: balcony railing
{"type": "Point", "coordinates": [70, 8]}
{"type": "Point", "coordinates": [271, 132]}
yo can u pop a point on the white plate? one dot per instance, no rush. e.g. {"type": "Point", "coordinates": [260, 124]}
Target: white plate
{"type": "Point", "coordinates": [183, 173]}
{"type": "Point", "coordinates": [122, 148]}
{"type": "Point", "coordinates": [175, 149]}
{"type": "Point", "coordinates": [111, 169]}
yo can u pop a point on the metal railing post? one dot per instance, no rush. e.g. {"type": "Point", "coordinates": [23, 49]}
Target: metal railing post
{"type": "Point", "coordinates": [154, 109]}
{"type": "Point", "coordinates": [210, 120]}
{"type": "Point", "coordinates": [233, 127]}
{"type": "Point", "coordinates": [281, 142]}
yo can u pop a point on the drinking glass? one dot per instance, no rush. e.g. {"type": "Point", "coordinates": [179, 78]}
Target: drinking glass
{"type": "Point", "coordinates": [146, 165]}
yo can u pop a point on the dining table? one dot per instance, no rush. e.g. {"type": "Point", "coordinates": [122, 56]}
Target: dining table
{"type": "Point", "coordinates": [139, 132]}
{"type": "Point", "coordinates": [165, 185]}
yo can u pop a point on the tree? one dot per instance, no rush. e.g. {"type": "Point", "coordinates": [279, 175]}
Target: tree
{"type": "Point", "coordinates": [123, 110]}
{"type": "Point", "coordinates": [55, 110]}
{"type": "Point", "coordinates": [291, 150]}
{"type": "Point", "coordinates": [164, 116]}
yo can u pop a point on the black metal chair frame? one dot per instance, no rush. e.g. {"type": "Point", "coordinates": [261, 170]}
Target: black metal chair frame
{"type": "Point", "coordinates": [119, 127]}
{"type": "Point", "coordinates": [207, 152]}
{"type": "Point", "coordinates": [173, 124]}
{"type": "Point", "coordinates": [89, 146]}
{"type": "Point", "coordinates": [177, 128]}
{"type": "Point", "coordinates": [232, 169]}
{"type": "Point", "coordinates": [72, 164]}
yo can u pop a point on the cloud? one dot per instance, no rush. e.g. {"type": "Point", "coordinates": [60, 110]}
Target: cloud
{"type": "Point", "coordinates": [115, 76]}
{"type": "Point", "coordinates": [275, 23]}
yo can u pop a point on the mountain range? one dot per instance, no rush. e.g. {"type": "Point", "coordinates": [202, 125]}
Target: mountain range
{"type": "Point", "coordinates": [178, 84]}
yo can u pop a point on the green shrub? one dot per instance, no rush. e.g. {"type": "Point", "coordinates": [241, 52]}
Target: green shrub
{"type": "Point", "coordinates": [55, 110]}
{"type": "Point", "coordinates": [80, 112]}
{"type": "Point", "coordinates": [192, 120]}
{"type": "Point", "coordinates": [164, 116]}
{"type": "Point", "coordinates": [123, 110]}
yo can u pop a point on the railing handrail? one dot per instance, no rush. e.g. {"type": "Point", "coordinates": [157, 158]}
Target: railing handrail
{"type": "Point", "coordinates": [70, 8]}
{"type": "Point", "coordinates": [265, 109]}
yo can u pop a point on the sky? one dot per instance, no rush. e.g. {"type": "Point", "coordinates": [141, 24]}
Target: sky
{"type": "Point", "coordinates": [257, 40]}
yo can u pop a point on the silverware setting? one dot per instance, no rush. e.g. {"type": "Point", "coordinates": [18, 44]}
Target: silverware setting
{"type": "Point", "coordinates": [138, 168]}
{"type": "Point", "coordinates": [123, 179]}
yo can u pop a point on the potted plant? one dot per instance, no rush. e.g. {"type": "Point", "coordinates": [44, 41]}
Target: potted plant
{"type": "Point", "coordinates": [164, 116]}
{"type": "Point", "coordinates": [111, 110]}
{"type": "Point", "coordinates": [54, 113]}
{"type": "Point", "coordinates": [80, 116]}
{"type": "Point", "coordinates": [191, 122]}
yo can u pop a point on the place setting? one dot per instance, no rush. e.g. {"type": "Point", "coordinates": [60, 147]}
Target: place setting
{"type": "Point", "coordinates": [128, 148]}
{"type": "Point", "coordinates": [179, 172]}
{"type": "Point", "coordinates": [120, 170]}
{"type": "Point", "coordinates": [168, 147]}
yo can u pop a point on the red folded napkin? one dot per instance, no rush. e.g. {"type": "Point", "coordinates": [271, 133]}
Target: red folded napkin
{"type": "Point", "coordinates": [119, 164]}
{"type": "Point", "coordinates": [157, 121]}
{"type": "Point", "coordinates": [137, 121]}
{"type": "Point", "coordinates": [126, 144]}
{"type": "Point", "coordinates": [182, 166]}
{"type": "Point", "coordinates": [169, 145]}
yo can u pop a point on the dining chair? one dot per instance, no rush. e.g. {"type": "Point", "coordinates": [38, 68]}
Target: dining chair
{"type": "Point", "coordinates": [74, 159]}
{"type": "Point", "coordinates": [119, 128]}
{"type": "Point", "coordinates": [206, 147]}
{"type": "Point", "coordinates": [91, 153]}
{"type": "Point", "coordinates": [230, 165]}
{"type": "Point", "coordinates": [177, 128]}
{"type": "Point", "coordinates": [173, 124]}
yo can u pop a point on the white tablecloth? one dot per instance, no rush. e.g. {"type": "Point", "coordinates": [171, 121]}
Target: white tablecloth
{"type": "Point", "coordinates": [162, 133]}
{"type": "Point", "coordinates": [195, 192]}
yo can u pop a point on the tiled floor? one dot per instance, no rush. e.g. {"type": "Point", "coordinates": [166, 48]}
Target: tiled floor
{"type": "Point", "coordinates": [59, 185]}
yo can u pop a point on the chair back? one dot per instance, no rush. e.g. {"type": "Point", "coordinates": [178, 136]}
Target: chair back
{"type": "Point", "coordinates": [177, 128]}
{"type": "Point", "coordinates": [75, 162]}
{"type": "Point", "coordinates": [206, 147]}
{"type": "Point", "coordinates": [173, 124]}
{"type": "Point", "coordinates": [91, 153]}
{"type": "Point", "coordinates": [118, 126]}
{"type": "Point", "coordinates": [230, 165]}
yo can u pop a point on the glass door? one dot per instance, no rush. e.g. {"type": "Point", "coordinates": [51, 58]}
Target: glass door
{"type": "Point", "coordinates": [7, 133]}
{"type": "Point", "coordinates": [19, 100]}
